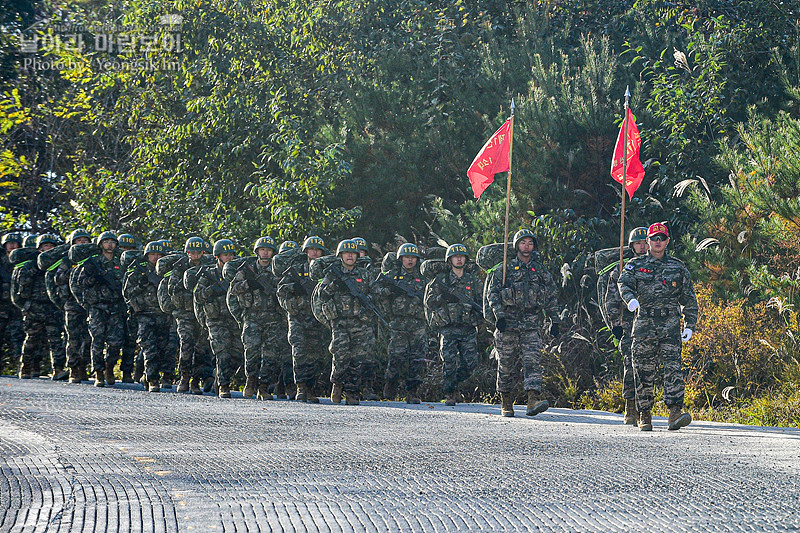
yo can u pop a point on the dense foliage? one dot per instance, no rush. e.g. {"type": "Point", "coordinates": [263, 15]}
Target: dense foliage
{"type": "Point", "coordinates": [295, 116]}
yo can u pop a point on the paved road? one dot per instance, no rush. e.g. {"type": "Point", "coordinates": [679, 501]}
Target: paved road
{"type": "Point", "coordinates": [76, 458]}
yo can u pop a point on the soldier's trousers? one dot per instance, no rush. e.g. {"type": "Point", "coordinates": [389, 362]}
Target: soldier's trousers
{"type": "Point", "coordinates": [79, 342]}
{"type": "Point", "coordinates": [458, 348]}
{"type": "Point", "coordinates": [12, 335]}
{"type": "Point", "coordinates": [227, 348]}
{"type": "Point", "coordinates": [407, 353]}
{"type": "Point", "coordinates": [260, 340]}
{"type": "Point", "coordinates": [107, 330]}
{"type": "Point", "coordinates": [628, 383]}
{"type": "Point", "coordinates": [43, 332]}
{"type": "Point", "coordinates": [352, 341]}
{"type": "Point", "coordinates": [655, 338]}
{"type": "Point", "coordinates": [155, 343]}
{"type": "Point", "coordinates": [517, 349]}
{"type": "Point", "coordinates": [307, 338]}
{"type": "Point", "coordinates": [129, 354]}
{"type": "Point", "coordinates": [195, 353]}
{"type": "Point", "coordinates": [285, 368]}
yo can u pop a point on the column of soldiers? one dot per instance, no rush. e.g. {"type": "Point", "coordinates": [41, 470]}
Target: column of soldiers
{"type": "Point", "coordinates": [214, 315]}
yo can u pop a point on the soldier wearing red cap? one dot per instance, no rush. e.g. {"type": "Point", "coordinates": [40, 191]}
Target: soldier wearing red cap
{"type": "Point", "coordinates": [658, 288]}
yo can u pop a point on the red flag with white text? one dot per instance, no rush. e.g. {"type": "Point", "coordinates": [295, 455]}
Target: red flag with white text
{"type": "Point", "coordinates": [635, 170]}
{"type": "Point", "coordinates": [492, 159]}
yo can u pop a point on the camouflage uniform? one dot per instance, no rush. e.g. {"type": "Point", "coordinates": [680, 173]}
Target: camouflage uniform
{"type": "Point", "coordinates": [306, 335]}
{"type": "Point", "coordinates": [665, 291]}
{"type": "Point", "coordinates": [408, 336]}
{"type": "Point", "coordinates": [619, 315]}
{"type": "Point", "coordinates": [223, 330]}
{"type": "Point", "coordinates": [11, 330]}
{"type": "Point", "coordinates": [529, 290]}
{"type": "Point", "coordinates": [456, 323]}
{"type": "Point", "coordinates": [100, 281]}
{"type": "Point", "coordinates": [195, 352]}
{"type": "Point", "coordinates": [352, 328]}
{"type": "Point", "coordinates": [78, 340]}
{"type": "Point", "coordinates": [254, 287]}
{"type": "Point", "coordinates": [156, 337]}
{"type": "Point", "coordinates": [41, 319]}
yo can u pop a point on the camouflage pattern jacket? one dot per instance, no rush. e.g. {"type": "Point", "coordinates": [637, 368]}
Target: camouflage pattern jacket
{"type": "Point", "coordinates": [615, 307]}
{"type": "Point", "coordinates": [254, 287]}
{"type": "Point", "coordinates": [30, 293]}
{"type": "Point", "coordinates": [529, 290]}
{"type": "Point", "coordinates": [181, 298]}
{"type": "Point", "coordinates": [141, 288]}
{"type": "Point", "coordinates": [292, 296]}
{"type": "Point", "coordinates": [335, 297]}
{"type": "Point", "coordinates": [403, 309]}
{"type": "Point", "coordinates": [5, 280]}
{"type": "Point", "coordinates": [210, 293]}
{"type": "Point", "coordinates": [61, 278]}
{"type": "Point", "coordinates": [444, 308]}
{"type": "Point", "coordinates": [662, 287]}
{"type": "Point", "coordinates": [99, 281]}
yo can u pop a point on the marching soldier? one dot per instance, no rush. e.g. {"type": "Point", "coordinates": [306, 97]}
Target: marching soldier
{"type": "Point", "coordinates": [223, 330]}
{"type": "Point", "coordinates": [78, 340]}
{"type": "Point", "coordinates": [42, 320]}
{"type": "Point", "coordinates": [622, 321]}
{"type": "Point", "coordinates": [516, 308]}
{"type": "Point", "coordinates": [342, 293]}
{"type": "Point", "coordinates": [306, 335]}
{"type": "Point", "coordinates": [155, 335]}
{"type": "Point", "coordinates": [452, 309]}
{"type": "Point", "coordinates": [659, 289]}
{"type": "Point", "coordinates": [11, 330]}
{"type": "Point", "coordinates": [369, 365]}
{"type": "Point", "coordinates": [402, 291]}
{"type": "Point", "coordinates": [129, 243]}
{"type": "Point", "coordinates": [254, 287]}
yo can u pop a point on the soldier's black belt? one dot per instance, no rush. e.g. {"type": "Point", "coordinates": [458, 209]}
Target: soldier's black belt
{"type": "Point", "coordinates": [657, 313]}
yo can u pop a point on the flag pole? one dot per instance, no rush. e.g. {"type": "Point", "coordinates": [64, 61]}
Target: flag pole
{"type": "Point", "coordinates": [508, 191]}
{"type": "Point", "coordinates": [624, 178]}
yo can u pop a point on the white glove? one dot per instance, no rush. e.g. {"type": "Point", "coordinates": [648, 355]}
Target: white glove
{"type": "Point", "coordinates": [633, 305]}
{"type": "Point", "coordinates": [686, 335]}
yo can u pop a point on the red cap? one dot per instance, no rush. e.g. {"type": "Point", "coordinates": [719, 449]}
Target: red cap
{"type": "Point", "coordinates": [657, 228]}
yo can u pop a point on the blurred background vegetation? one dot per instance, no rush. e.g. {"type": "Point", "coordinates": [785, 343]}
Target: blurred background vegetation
{"type": "Point", "coordinates": [291, 117]}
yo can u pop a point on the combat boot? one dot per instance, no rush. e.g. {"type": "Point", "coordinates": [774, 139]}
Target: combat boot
{"type": "Point", "coordinates": [249, 387]}
{"type": "Point", "coordinates": [110, 375]}
{"type": "Point", "coordinates": [310, 397]}
{"type": "Point", "coordinates": [166, 381]}
{"type": "Point", "coordinates": [677, 419]}
{"type": "Point", "coordinates": [389, 390]}
{"type": "Point", "coordinates": [336, 393]}
{"type": "Point", "coordinates": [208, 384]}
{"type": "Point", "coordinates": [154, 386]}
{"type": "Point", "coordinates": [412, 397]}
{"type": "Point", "coordinates": [138, 372]}
{"type": "Point", "coordinates": [194, 387]}
{"type": "Point", "coordinates": [77, 374]}
{"type": "Point", "coordinates": [506, 404]}
{"type": "Point", "coordinates": [451, 399]}
{"type": "Point", "coordinates": [224, 391]}
{"type": "Point", "coordinates": [263, 392]}
{"type": "Point", "coordinates": [368, 394]}
{"type": "Point", "coordinates": [630, 412]}
{"type": "Point", "coordinates": [127, 377]}
{"type": "Point", "coordinates": [351, 398]}
{"type": "Point", "coordinates": [535, 405]}
{"type": "Point", "coordinates": [59, 374]}
{"type": "Point", "coordinates": [25, 371]}
{"type": "Point", "coordinates": [99, 379]}
{"type": "Point", "coordinates": [302, 392]}
{"type": "Point", "coordinates": [645, 421]}
{"type": "Point", "coordinates": [280, 390]}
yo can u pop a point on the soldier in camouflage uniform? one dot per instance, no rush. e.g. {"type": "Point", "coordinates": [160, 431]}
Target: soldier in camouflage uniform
{"type": "Point", "coordinates": [99, 280]}
{"type": "Point", "coordinates": [451, 308]}
{"type": "Point", "coordinates": [352, 331]}
{"type": "Point", "coordinates": [196, 360]}
{"type": "Point", "coordinates": [516, 308]}
{"type": "Point", "coordinates": [223, 330]}
{"type": "Point", "coordinates": [130, 358]}
{"type": "Point", "coordinates": [369, 365]}
{"type": "Point", "coordinates": [254, 287]}
{"type": "Point", "coordinates": [78, 340]}
{"type": "Point", "coordinates": [284, 349]}
{"type": "Point", "coordinates": [622, 324]}
{"type": "Point", "coordinates": [11, 331]}
{"type": "Point", "coordinates": [659, 289]}
{"type": "Point", "coordinates": [401, 291]}
{"type": "Point", "coordinates": [41, 319]}
{"type": "Point", "coordinates": [306, 335]}
{"type": "Point", "coordinates": [155, 336]}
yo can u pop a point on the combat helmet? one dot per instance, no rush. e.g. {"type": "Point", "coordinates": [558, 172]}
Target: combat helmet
{"type": "Point", "coordinates": [410, 249]}
{"type": "Point", "coordinates": [637, 234]}
{"type": "Point", "coordinates": [107, 235]}
{"type": "Point", "coordinates": [224, 246]}
{"type": "Point", "coordinates": [154, 247]}
{"type": "Point", "coordinates": [77, 234]}
{"type": "Point", "coordinates": [521, 234]}
{"type": "Point", "coordinates": [45, 239]}
{"type": "Point", "coordinates": [126, 240]}
{"type": "Point", "coordinates": [11, 237]}
{"type": "Point", "coordinates": [287, 245]}
{"type": "Point", "coordinates": [265, 242]}
{"type": "Point", "coordinates": [30, 241]}
{"type": "Point", "coordinates": [194, 244]}
{"type": "Point", "coordinates": [456, 249]}
{"type": "Point", "coordinates": [361, 242]}
{"type": "Point", "coordinates": [314, 242]}
{"type": "Point", "coordinates": [347, 245]}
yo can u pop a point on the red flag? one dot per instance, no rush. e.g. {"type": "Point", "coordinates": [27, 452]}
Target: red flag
{"type": "Point", "coordinates": [635, 168]}
{"type": "Point", "coordinates": [491, 160]}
